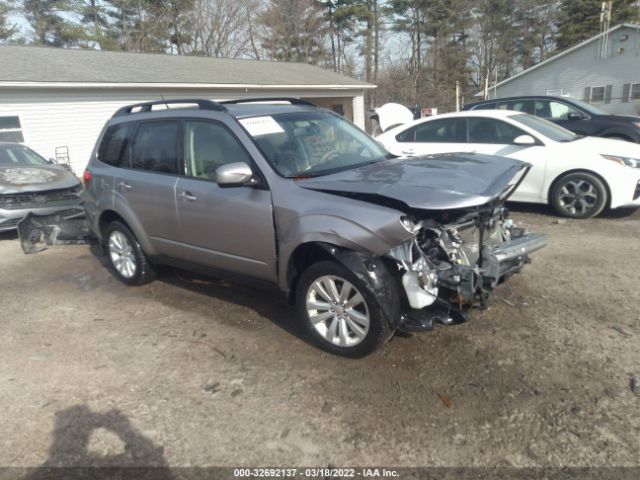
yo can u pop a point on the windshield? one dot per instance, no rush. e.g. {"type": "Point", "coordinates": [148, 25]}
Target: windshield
{"type": "Point", "coordinates": [589, 108]}
{"type": "Point", "coordinates": [312, 143]}
{"type": "Point", "coordinates": [19, 156]}
{"type": "Point", "coordinates": [545, 127]}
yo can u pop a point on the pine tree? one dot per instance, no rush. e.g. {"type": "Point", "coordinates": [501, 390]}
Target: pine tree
{"type": "Point", "coordinates": [49, 26]}
{"type": "Point", "coordinates": [6, 31]}
{"type": "Point", "coordinates": [294, 31]}
{"type": "Point", "coordinates": [579, 20]}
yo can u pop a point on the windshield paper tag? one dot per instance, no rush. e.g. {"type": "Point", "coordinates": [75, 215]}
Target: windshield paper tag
{"type": "Point", "coordinates": [257, 126]}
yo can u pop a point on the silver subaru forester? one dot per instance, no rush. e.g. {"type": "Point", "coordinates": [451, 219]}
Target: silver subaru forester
{"type": "Point", "coordinates": [289, 195]}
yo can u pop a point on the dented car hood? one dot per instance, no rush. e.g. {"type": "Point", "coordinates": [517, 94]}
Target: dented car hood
{"type": "Point", "coordinates": [433, 182]}
{"type": "Point", "coordinates": [35, 178]}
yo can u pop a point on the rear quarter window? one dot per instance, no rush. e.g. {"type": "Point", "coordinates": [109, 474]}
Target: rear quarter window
{"type": "Point", "coordinates": [115, 147]}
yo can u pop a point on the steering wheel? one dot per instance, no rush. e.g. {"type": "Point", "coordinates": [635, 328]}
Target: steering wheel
{"type": "Point", "coordinates": [329, 154]}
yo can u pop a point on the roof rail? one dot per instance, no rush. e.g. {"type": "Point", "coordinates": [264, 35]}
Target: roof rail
{"type": "Point", "coordinates": [146, 106]}
{"type": "Point", "coordinates": [291, 100]}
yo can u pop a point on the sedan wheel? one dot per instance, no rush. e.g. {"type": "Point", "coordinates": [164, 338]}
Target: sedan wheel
{"type": "Point", "coordinates": [579, 195]}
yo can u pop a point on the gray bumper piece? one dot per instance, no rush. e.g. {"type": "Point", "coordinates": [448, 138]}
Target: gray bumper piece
{"type": "Point", "coordinates": [515, 249]}
{"type": "Point", "coordinates": [36, 232]}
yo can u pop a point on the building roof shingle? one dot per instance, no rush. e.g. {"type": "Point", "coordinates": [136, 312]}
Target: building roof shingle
{"type": "Point", "coordinates": [46, 64]}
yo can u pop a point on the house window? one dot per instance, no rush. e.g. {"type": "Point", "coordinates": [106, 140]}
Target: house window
{"type": "Point", "coordinates": [597, 94]}
{"type": "Point", "coordinates": [635, 91]}
{"type": "Point", "coordinates": [10, 129]}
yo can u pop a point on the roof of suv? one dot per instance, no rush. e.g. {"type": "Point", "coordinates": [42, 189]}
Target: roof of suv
{"type": "Point", "coordinates": [258, 109]}
{"type": "Point", "coordinates": [237, 108]}
{"type": "Point", "coordinates": [521, 97]}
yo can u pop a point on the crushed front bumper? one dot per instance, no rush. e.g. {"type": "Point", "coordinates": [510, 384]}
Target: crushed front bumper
{"type": "Point", "coordinates": [517, 250]}
{"type": "Point", "coordinates": [472, 285]}
{"type": "Point", "coordinates": [36, 232]}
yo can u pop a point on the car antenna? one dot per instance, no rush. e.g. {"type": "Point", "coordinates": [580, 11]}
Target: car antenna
{"type": "Point", "coordinates": [165, 101]}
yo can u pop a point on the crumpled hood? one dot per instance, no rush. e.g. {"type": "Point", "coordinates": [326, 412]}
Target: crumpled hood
{"type": "Point", "coordinates": [35, 178]}
{"type": "Point", "coordinates": [433, 182]}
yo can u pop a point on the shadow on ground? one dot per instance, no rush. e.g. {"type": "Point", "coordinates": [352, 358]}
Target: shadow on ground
{"type": "Point", "coordinates": [70, 456]}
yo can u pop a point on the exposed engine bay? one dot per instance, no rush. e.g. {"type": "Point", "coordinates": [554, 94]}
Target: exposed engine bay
{"type": "Point", "coordinates": [446, 268]}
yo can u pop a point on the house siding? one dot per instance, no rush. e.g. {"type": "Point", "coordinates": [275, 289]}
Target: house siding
{"type": "Point", "coordinates": [582, 68]}
{"type": "Point", "coordinates": [74, 118]}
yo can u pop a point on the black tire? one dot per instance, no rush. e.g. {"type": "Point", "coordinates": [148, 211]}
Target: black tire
{"type": "Point", "coordinates": [378, 328]}
{"type": "Point", "coordinates": [579, 195]}
{"type": "Point", "coordinates": [143, 270]}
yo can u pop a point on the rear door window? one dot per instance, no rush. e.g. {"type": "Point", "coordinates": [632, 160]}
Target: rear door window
{"type": "Point", "coordinates": [448, 130]}
{"type": "Point", "coordinates": [488, 130]}
{"type": "Point", "coordinates": [155, 147]}
{"type": "Point", "coordinates": [115, 148]}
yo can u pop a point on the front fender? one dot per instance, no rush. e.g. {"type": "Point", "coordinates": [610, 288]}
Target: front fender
{"type": "Point", "coordinates": [340, 232]}
{"type": "Point", "coordinates": [374, 274]}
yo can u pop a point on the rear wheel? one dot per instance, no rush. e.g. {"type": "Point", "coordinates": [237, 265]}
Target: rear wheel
{"type": "Point", "coordinates": [339, 312]}
{"type": "Point", "coordinates": [579, 195]}
{"type": "Point", "coordinates": [126, 258]}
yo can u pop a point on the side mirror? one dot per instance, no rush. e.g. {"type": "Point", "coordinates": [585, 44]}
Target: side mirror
{"type": "Point", "coordinates": [233, 174]}
{"type": "Point", "coordinates": [52, 161]}
{"type": "Point", "coordinates": [575, 116]}
{"type": "Point", "coordinates": [524, 141]}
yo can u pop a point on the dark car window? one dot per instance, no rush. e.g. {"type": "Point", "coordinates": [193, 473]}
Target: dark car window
{"type": "Point", "coordinates": [209, 145]}
{"type": "Point", "coordinates": [486, 106]}
{"type": "Point", "coordinates": [553, 110]}
{"type": "Point", "coordinates": [488, 130]}
{"type": "Point", "coordinates": [19, 155]}
{"type": "Point", "coordinates": [155, 147]}
{"type": "Point", "coordinates": [115, 148]}
{"type": "Point", "coordinates": [447, 130]}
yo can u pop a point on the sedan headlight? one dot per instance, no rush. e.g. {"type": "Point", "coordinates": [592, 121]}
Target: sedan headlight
{"type": "Point", "coordinates": [627, 161]}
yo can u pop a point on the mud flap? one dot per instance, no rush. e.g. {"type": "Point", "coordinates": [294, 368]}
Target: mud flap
{"type": "Point", "coordinates": [37, 232]}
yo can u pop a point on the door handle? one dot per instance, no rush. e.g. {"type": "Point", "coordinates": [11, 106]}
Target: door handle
{"type": "Point", "coordinates": [124, 186]}
{"type": "Point", "coordinates": [408, 151]}
{"type": "Point", "coordinates": [187, 196]}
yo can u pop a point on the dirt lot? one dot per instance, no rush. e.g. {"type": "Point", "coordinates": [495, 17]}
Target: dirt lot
{"type": "Point", "coordinates": [193, 372]}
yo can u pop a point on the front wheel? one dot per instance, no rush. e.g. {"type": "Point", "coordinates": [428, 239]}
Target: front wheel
{"type": "Point", "coordinates": [579, 195]}
{"type": "Point", "coordinates": [339, 312]}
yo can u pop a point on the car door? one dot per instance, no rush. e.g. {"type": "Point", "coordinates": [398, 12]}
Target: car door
{"type": "Point", "coordinates": [226, 228]}
{"type": "Point", "coordinates": [432, 136]}
{"type": "Point", "coordinates": [496, 137]}
{"type": "Point", "coordinates": [147, 188]}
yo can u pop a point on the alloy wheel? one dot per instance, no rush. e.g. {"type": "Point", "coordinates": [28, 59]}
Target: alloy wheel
{"type": "Point", "coordinates": [121, 254]}
{"type": "Point", "coordinates": [578, 197]}
{"type": "Point", "coordinates": [338, 311]}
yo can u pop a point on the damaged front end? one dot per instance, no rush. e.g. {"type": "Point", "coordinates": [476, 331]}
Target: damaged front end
{"type": "Point", "coordinates": [449, 266]}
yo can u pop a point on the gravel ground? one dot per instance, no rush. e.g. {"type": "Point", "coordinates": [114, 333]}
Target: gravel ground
{"type": "Point", "coordinates": [190, 371]}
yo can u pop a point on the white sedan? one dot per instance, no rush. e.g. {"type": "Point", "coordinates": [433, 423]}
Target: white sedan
{"type": "Point", "coordinates": [578, 176]}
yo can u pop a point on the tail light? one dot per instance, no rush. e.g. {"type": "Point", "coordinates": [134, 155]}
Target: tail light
{"type": "Point", "coordinates": [86, 178]}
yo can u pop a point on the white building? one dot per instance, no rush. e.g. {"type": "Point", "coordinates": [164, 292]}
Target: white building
{"type": "Point", "coordinates": [59, 99]}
